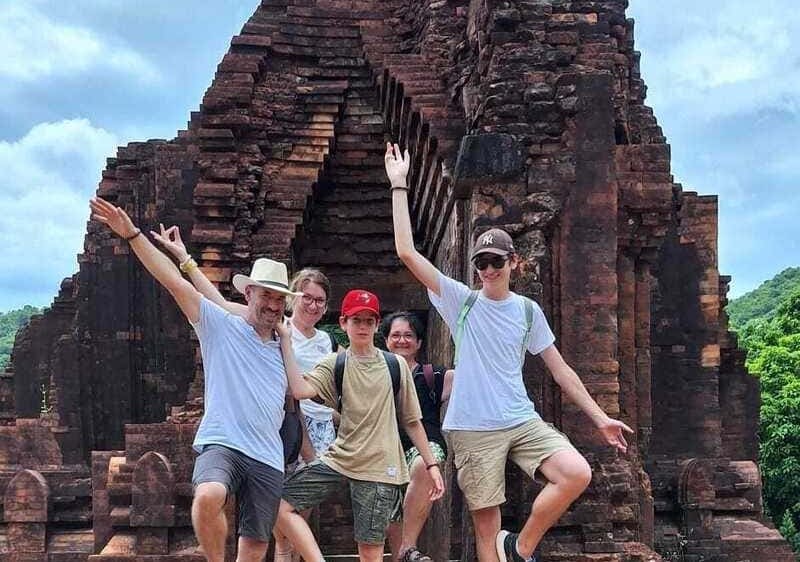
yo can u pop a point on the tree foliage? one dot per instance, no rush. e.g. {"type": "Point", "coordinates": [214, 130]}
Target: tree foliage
{"type": "Point", "coordinates": [773, 355]}
{"type": "Point", "coordinates": [10, 323]}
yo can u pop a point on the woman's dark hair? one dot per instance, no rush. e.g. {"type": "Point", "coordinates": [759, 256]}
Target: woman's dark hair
{"type": "Point", "coordinates": [412, 319]}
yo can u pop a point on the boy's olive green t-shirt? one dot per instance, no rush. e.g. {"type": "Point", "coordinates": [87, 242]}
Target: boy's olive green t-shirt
{"type": "Point", "coordinates": [367, 445]}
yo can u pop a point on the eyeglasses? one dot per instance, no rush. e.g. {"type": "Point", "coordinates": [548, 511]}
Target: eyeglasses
{"type": "Point", "coordinates": [484, 261]}
{"type": "Point", "coordinates": [308, 300]}
{"type": "Point", "coordinates": [410, 336]}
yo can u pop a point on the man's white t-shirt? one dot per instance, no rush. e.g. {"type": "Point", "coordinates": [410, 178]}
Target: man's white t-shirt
{"type": "Point", "coordinates": [488, 391]}
{"type": "Point", "coordinates": [245, 385]}
{"type": "Point", "coordinates": [308, 352]}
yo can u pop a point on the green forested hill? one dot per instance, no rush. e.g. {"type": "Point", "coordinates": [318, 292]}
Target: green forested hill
{"type": "Point", "coordinates": [764, 301]}
{"type": "Point", "coordinates": [768, 323]}
{"type": "Point", "coordinates": [10, 323]}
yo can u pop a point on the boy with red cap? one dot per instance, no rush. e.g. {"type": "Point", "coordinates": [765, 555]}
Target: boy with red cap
{"type": "Point", "coordinates": [490, 417]}
{"type": "Point", "coordinates": [367, 453]}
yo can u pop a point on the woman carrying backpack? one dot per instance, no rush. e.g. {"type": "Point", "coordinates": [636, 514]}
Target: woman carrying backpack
{"type": "Point", "coordinates": [402, 332]}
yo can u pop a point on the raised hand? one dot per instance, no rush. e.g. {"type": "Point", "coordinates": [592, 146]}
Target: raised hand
{"type": "Point", "coordinates": [113, 217]}
{"type": "Point", "coordinates": [170, 238]}
{"type": "Point", "coordinates": [613, 431]}
{"type": "Point", "coordinates": [396, 165]}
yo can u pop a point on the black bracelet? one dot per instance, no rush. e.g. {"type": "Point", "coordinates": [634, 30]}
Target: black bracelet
{"type": "Point", "coordinates": [430, 466]}
{"type": "Point", "coordinates": [132, 236]}
{"type": "Point", "coordinates": [401, 187]}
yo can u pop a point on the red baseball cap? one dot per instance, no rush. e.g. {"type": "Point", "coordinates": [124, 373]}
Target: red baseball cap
{"type": "Point", "coordinates": [358, 300]}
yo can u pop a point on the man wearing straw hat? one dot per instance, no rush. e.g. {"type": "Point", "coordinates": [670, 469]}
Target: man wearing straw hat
{"type": "Point", "coordinates": [238, 439]}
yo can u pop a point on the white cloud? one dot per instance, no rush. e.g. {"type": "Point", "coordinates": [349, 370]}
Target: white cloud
{"type": "Point", "coordinates": [33, 47]}
{"type": "Point", "coordinates": [48, 177]}
{"type": "Point", "coordinates": [721, 58]}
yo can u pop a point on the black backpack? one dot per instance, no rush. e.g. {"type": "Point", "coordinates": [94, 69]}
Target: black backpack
{"type": "Point", "coordinates": [391, 363]}
{"type": "Point", "coordinates": [291, 431]}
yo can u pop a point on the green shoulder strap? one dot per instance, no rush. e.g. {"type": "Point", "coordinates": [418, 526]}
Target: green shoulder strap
{"type": "Point", "coordinates": [528, 325]}
{"type": "Point", "coordinates": [462, 317]}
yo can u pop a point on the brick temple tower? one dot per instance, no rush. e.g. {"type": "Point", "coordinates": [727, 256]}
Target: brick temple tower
{"type": "Point", "coordinates": [524, 114]}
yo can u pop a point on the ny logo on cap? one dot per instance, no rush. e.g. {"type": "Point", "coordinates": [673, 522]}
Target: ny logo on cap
{"type": "Point", "coordinates": [488, 239]}
{"type": "Point", "coordinates": [364, 297]}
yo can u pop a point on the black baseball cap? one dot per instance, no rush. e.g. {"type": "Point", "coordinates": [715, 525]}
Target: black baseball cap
{"type": "Point", "coordinates": [494, 241]}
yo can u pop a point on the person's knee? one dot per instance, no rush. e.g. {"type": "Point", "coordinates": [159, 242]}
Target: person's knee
{"type": "Point", "coordinates": [251, 550]}
{"type": "Point", "coordinates": [209, 498]}
{"type": "Point", "coordinates": [486, 522]}
{"type": "Point", "coordinates": [576, 473]}
{"type": "Point", "coordinates": [370, 552]}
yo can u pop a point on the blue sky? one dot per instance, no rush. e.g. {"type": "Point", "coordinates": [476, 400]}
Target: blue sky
{"type": "Point", "coordinates": [79, 78]}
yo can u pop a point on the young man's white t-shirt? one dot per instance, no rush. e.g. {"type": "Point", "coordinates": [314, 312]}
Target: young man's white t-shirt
{"type": "Point", "coordinates": [488, 391]}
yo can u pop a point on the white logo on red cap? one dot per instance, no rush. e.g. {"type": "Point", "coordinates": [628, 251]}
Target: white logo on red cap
{"type": "Point", "coordinates": [364, 297]}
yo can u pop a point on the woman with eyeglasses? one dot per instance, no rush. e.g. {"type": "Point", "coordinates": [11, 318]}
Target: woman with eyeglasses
{"type": "Point", "coordinates": [403, 332]}
{"type": "Point", "coordinates": [310, 346]}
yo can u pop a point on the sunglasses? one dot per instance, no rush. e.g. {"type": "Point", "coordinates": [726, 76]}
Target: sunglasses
{"type": "Point", "coordinates": [482, 262]}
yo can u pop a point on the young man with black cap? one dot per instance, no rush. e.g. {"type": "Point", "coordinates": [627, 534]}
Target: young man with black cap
{"type": "Point", "coordinates": [375, 392]}
{"type": "Point", "coordinates": [490, 416]}
{"type": "Point", "coordinates": [240, 448]}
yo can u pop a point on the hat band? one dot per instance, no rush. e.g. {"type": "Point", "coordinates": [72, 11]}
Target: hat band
{"type": "Point", "coordinates": [283, 286]}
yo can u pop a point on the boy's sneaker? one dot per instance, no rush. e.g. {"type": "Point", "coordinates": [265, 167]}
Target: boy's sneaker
{"type": "Point", "coordinates": [414, 555]}
{"type": "Point", "coordinates": [506, 545]}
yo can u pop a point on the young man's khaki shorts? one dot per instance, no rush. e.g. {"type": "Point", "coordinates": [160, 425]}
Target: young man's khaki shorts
{"type": "Point", "coordinates": [480, 457]}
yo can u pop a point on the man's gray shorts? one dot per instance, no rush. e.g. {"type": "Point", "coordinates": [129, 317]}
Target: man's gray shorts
{"type": "Point", "coordinates": [257, 487]}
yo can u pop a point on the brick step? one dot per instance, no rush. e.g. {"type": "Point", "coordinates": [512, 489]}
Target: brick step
{"type": "Point", "coordinates": [297, 171]}
{"type": "Point", "coordinates": [311, 133]}
{"type": "Point", "coordinates": [399, 71]}
{"type": "Point", "coordinates": [322, 98]}
{"type": "Point", "coordinates": [336, 15]}
{"type": "Point", "coordinates": [356, 178]}
{"type": "Point", "coordinates": [259, 28]}
{"type": "Point", "coordinates": [354, 557]}
{"type": "Point", "coordinates": [374, 125]}
{"type": "Point", "coordinates": [420, 80]}
{"type": "Point", "coordinates": [357, 162]}
{"type": "Point", "coordinates": [322, 52]}
{"type": "Point", "coordinates": [306, 157]}
{"type": "Point", "coordinates": [404, 60]}
{"type": "Point", "coordinates": [323, 87]}
{"type": "Point", "coordinates": [360, 193]}
{"type": "Point", "coordinates": [310, 30]}
{"type": "Point", "coordinates": [326, 42]}
{"type": "Point", "coordinates": [357, 71]}
{"type": "Point", "coordinates": [343, 61]}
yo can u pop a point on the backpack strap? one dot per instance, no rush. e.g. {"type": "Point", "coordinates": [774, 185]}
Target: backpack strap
{"type": "Point", "coordinates": [528, 325]}
{"type": "Point", "coordinates": [334, 343]}
{"type": "Point", "coordinates": [394, 371]}
{"type": "Point", "coordinates": [427, 373]}
{"type": "Point", "coordinates": [338, 377]}
{"type": "Point", "coordinates": [462, 317]}
{"type": "Point", "coordinates": [391, 363]}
